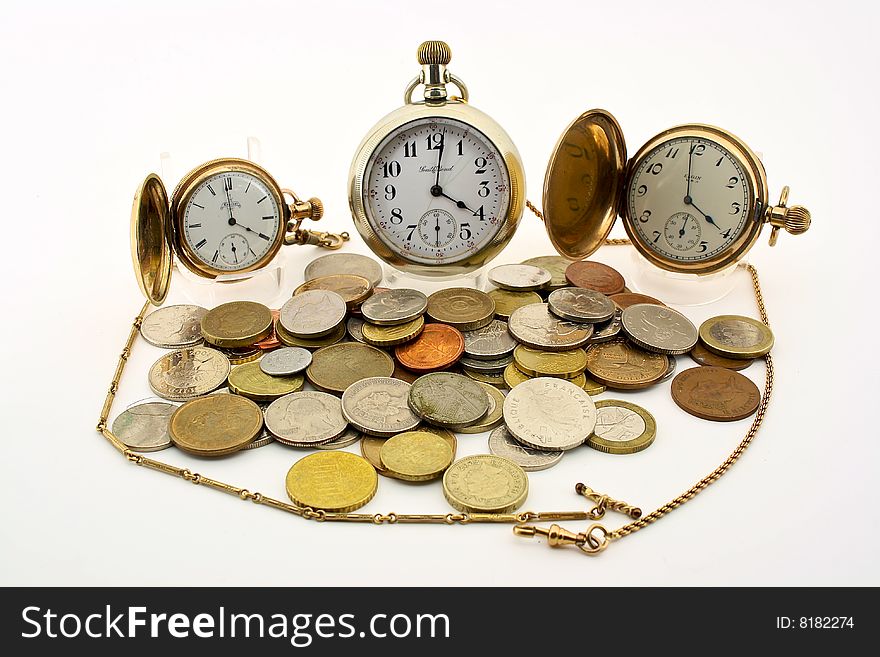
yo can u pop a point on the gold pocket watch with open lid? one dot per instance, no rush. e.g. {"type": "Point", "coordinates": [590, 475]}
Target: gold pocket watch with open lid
{"type": "Point", "coordinates": [693, 199]}
{"type": "Point", "coordinates": [437, 187]}
{"type": "Point", "coordinates": [226, 217]}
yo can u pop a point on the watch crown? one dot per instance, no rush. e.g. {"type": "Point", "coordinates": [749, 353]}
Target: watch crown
{"type": "Point", "coordinates": [434, 52]}
{"type": "Point", "coordinates": [317, 209]}
{"type": "Point", "coordinates": [796, 219]}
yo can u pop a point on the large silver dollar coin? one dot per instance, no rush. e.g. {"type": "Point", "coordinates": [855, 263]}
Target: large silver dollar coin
{"type": "Point", "coordinates": [286, 361]}
{"type": "Point", "coordinates": [501, 443]}
{"type": "Point", "coordinates": [519, 278]}
{"type": "Point", "coordinates": [378, 406]}
{"type": "Point", "coordinates": [448, 400]}
{"type": "Point", "coordinates": [144, 426]}
{"type": "Point", "coordinates": [304, 419]}
{"type": "Point", "coordinates": [344, 263]}
{"type": "Point", "coordinates": [490, 342]}
{"type": "Point", "coordinates": [659, 329]}
{"type": "Point", "coordinates": [188, 373]}
{"type": "Point", "coordinates": [535, 326]}
{"type": "Point", "coordinates": [549, 414]}
{"type": "Point", "coordinates": [174, 327]}
{"type": "Point", "coordinates": [579, 304]}
{"type": "Point", "coordinates": [393, 307]}
{"type": "Point", "coordinates": [312, 314]}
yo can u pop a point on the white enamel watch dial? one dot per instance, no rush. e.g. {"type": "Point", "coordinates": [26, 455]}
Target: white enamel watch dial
{"type": "Point", "coordinates": [689, 199]}
{"type": "Point", "coordinates": [436, 191]}
{"type": "Point", "coordinates": [230, 221]}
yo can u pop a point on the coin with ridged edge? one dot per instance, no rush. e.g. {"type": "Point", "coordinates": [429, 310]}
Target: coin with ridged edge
{"type": "Point", "coordinates": [188, 373]}
{"type": "Point", "coordinates": [337, 482]}
{"type": "Point", "coordinates": [461, 307]}
{"type": "Point", "coordinates": [495, 366]}
{"type": "Point", "coordinates": [389, 336]}
{"type": "Point", "coordinates": [736, 336]}
{"type": "Point", "coordinates": [490, 342]}
{"type": "Point", "coordinates": [236, 324]}
{"type": "Point", "coordinates": [144, 427]}
{"type": "Point", "coordinates": [560, 364]}
{"type": "Point", "coordinates": [215, 425]}
{"type": "Point", "coordinates": [501, 443]}
{"type": "Point", "coordinates": [549, 414]}
{"type": "Point", "coordinates": [535, 326]}
{"type": "Point", "coordinates": [285, 361]}
{"type": "Point", "coordinates": [173, 327]}
{"type": "Point", "coordinates": [485, 483]}
{"type": "Point", "coordinates": [355, 328]}
{"type": "Point", "coordinates": [306, 418]}
{"type": "Point", "coordinates": [378, 406]}
{"type": "Point", "coordinates": [448, 400]}
{"type": "Point", "coordinates": [335, 336]}
{"type": "Point", "coordinates": [392, 307]}
{"type": "Point", "coordinates": [507, 301]}
{"type": "Point", "coordinates": [416, 455]}
{"type": "Point", "coordinates": [252, 382]}
{"type": "Point", "coordinates": [659, 329]}
{"type": "Point", "coordinates": [337, 367]}
{"type": "Point", "coordinates": [606, 331]}
{"type": "Point", "coordinates": [493, 417]}
{"type": "Point", "coordinates": [577, 304]}
{"type": "Point", "coordinates": [622, 427]}
{"type": "Point", "coordinates": [350, 437]}
{"type": "Point", "coordinates": [312, 314]}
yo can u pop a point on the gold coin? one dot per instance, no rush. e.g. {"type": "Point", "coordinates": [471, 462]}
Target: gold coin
{"type": "Point", "coordinates": [461, 307]}
{"type": "Point", "coordinates": [335, 368]}
{"type": "Point", "coordinates": [493, 417]}
{"type": "Point", "coordinates": [485, 483]}
{"type": "Point", "coordinates": [735, 336]}
{"type": "Point", "coordinates": [513, 376]}
{"type": "Point", "coordinates": [353, 289]}
{"type": "Point", "coordinates": [188, 373]}
{"type": "Point", "coordinates": [560, 364]}
{"type": "Point", "coordinates": [338, 482]}
{"type": "Point", "coordinates": [371, 446]}
{"type": "Point", "coordinates": [289, 340]}
{"type": "Point", "coordinates": [251, 382]}
{"type": "Point", "coordinates": [506, 301]}
{"type": "Point", "coordinates": [237, 324]}
{"type": "Point", "coordinates": [590, 386]}
{"type": "Point", "coordinates": [388, 336]}
{"type": "Point", "coordinates": [496, 380]}
{"type": "Point", "coordinates": [416, 455]}
{"type": "Point", "coordinates": [619, 364]}
{"type": "Point", "coordinates": [241, 355]}
{"type": "Point", "coordinates": [215, 425]}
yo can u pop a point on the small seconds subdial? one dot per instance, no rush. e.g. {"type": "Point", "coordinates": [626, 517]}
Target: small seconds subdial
{"type": "Point", "coordinates": [437, 228]}
{"type": "Point", "coordinates": [234, 249]}
{"type": "Point", "coordinates": [682, 231]}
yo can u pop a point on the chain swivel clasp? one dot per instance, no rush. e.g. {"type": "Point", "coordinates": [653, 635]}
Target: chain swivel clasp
{"type": "Point", "coordinates": [591, 542]}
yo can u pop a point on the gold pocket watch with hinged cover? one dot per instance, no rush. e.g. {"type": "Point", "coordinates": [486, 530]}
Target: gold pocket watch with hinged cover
{"type": "Point", "coordinates": [693, 199]}
{"type": "Point", "coordinates": [437, 187]}
{"type": "Point", "coordinates": [226, 217]}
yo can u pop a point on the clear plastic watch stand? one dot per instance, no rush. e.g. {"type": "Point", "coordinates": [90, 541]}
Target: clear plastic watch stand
{"type": "Point", "coordinates": [681, 289]}
{"type": "Point", "coordinates": [429, 284]}
{"type": "Point", "coordinates": [263, 285]}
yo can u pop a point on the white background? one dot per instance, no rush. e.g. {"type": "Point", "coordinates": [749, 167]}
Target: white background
{"type": "Point", "coordinates": [94, 91]}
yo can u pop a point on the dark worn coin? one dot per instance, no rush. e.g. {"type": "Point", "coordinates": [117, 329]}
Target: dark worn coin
{"type": "Point", "coordinates": [626, 299]}
{"type": "Point", "coordinates": [715, 393]}
{"type": "Point", "coordinates": [595, 276]}
{"type": "Point", "coordinates": [703, 356]}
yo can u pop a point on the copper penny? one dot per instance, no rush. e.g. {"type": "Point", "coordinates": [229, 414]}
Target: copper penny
{"type": "Point", "coordinates": [353, 289]}
{"type": "Point", "coordinates": [595, 276]}
{"type": "Point", "coordinates": [623, 366]}
{"type": "Point", "coordinates": [715, 393]}
{"type": "Point", "coordinates": [272, 342]}
{"type": "Point", "coordinates": [703, 356]}
{"type": "Point", "coordinates": [624, 300]}
{"type": "Point", "coordinates": [437, 347]}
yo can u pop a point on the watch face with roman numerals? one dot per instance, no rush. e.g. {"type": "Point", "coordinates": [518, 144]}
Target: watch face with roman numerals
{"type": "Point", "coordinates": [689, 199]}
{"type": "Point", "coordinates": [231, 221]}
{"type": "Point", "coordinates": [436, 191]}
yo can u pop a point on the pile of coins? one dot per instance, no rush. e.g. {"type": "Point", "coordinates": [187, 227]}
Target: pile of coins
{"type": "Point", "coordinates": [400, 371]}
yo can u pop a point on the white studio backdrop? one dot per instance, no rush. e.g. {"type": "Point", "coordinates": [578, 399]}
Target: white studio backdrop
{"type": "Point", "coordinates": [94, 92]}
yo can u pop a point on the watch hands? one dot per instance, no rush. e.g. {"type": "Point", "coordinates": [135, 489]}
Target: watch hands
{"type": "Point", "coordinates": [689, 201]}
{"type": "Point", "coordinates": [234, 254]}
{"type": "Point", "coordinates": [440, 157]}
{"type": "Point", "coordinates": [437, 228]}
{"type": "Point", "coordinates": [684, 223]}
{"type": "Point", "coordinates": [229, 205]}
{"type": "Point", "coordinates": [687, 194]}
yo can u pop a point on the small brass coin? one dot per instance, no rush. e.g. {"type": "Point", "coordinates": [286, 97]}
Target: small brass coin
{"type": "Point", "coordinates": [513, 376]}
{"type": "Point", "coordinates": [241, 355]}
{"type": "Point", "coordinates": [335, 336]}
{"type": "Point", "coordinates": [556, 265]}
{"type": "Point", "coordinates": [496, 380]}
{"type": "Point", "coordinates": [715, 393]}
{"type": "Point", "coordinates": [622, 427]}
{"type": "Point", "coordinates": [621, 365]}
{"type": "Point", "coordinates": [699, 354]}
{"type": "Point", "coordinates": [590, 386]}
{"type": "Point", "coordinates": [371, 446]}
{"type": "Point", "coordinates": [735, 336]}
{"type": "Point", "coordinates": [416, 455]}
{"type": "Point", "coordinates": [188, 373]}
{"type": "Point", "coordinates": [252, 382]}
{"type": "Point", "coordinates": [237, 324]}
{"type": "Point", "coordinates": [335, 368]}
{"type": "Point", "coordinates": [353, 289]}
{"type": "Point", "coordinates": [485, 483]}
{"type": "Point", "coordinates": [493, 417]}
{"type": "Point", "coordinates": [388, 336]}
{"type": "Point", "coordinates": [560, 364]}
{"type": "Point", "coordinates": [338, 482]}
{"type": "Point", "coordinates": [448, 400]}
{"type": "Point", "coordinates": [215, 425]}
{"type": "Point", "coordinates": [461, 307]}
{"type": "Point", "coordinates": [507, 301]}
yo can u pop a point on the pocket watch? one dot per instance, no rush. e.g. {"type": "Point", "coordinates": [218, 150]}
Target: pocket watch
{"type": "Point", "coordinates": [693, 199]}
{"type": "Point", "coordinates": [437, 187]}
{"type": "Point", "coordinates": [226, 217]}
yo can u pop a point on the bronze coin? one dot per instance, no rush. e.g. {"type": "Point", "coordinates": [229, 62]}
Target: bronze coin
{"type": "Point", "coordinates": [437, 347]}
{"type": "Point", "coordinates": [461, 307]}
{"type": "Point", "coordinates": [624, 300]}
{"type": "Point", "coordinates": [715, 393]}
{"type": "Point", "coordinates": [271, 342]}
{"type": "Point", "coordinates": [621, 365]}
{"type": "Point", "coordinates": [595, 276]}
{"type": "Point", "coordinates": [404, 374]}
{"type": "Point", "coordinates": [703, 356]}
{"type": "Point", "coordinates": [353, 289]}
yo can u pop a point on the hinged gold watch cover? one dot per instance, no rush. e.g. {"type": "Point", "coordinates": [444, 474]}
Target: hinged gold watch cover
{"type": "Point", "coordinates": [150, 239]}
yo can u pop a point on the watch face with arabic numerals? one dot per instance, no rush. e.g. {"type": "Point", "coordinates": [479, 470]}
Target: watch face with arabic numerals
{"type": "Point", "coordinates": [231, 221]}
{"type": "Point", "coordinates": [689, 199]}
{"type": "Point", "coordinates": [436, 191]}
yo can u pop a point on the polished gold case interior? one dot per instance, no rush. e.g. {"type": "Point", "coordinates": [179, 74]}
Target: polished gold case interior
{"type": "Point", "coordinates": [150, 245]}
{"type": "Point", "coordinates": [453, 108]}
{"type": "Point", "coordinates": [187, 187]}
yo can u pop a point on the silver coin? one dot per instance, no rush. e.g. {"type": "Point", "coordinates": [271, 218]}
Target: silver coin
{"type": "Point", "coordinates": [190, 372]}
{"type": "Point", "coordinates": [144, 427]}
{"type": "Point", "coordinates": [578, 304]}
{"type": "Point", "coordinates": [501, 443]}
{"type": "Point", "coordinates": [535, 326]}
{"type": "Point", "coordinates": [174, 327]}
{"type": "Point", "coordinates": [670, 369]}
{"type": "Point", "coordinates": [549, 414]}
{"type": "Point", "coordinates": [265, 438]}
{"type": "Point", "coordinates": [285, 361]}
{"type": "Point", "coordinates": [355, 328]}
{"type": "Point", "coordinates": [344, 263]}
{"type": "Point", "coordinates": [350, 437]}
{"type": "Point", "coordinates": [519, 278]}
{"type": "Point", "coordinates": [556, 265]}
{"type": "Point", "coordinates": [312, 314]}
{"type": "Point", "coordinates": [659, 329]}
{"type": "Point", "coordinates": [378, 406]}
{"type": "Point", "coordinates": [490, 342]}
{"type": "Point", "coordinates": [494, 366]}
{"type": "Point", "coordinates": [304, 419]}
{"type": "Point", "coordinates": [448, 400]}
{"type": "Point", "coordinates": [393, 307]}
{"type": "Point", "coordinates": [606, 331]}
